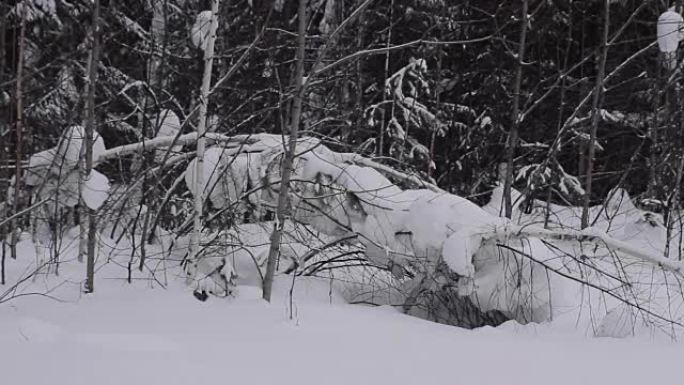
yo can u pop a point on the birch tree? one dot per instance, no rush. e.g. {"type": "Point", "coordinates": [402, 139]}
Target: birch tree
{"type": "Point", "coordinates": [201, 139]}
{"type": "Point", "coordinates": [19, 129]}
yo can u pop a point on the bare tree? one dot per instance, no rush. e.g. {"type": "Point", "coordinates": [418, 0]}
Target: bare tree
{"type": "Point", "coordinates": [19, 131]}
{"type": "Point", "coordinates": [201, 131]}
{"type": "Point", "coordinates": [89, 228]}
{"type": "Point", "coordinates": [157, 84]}
{"type": "Point", "coordinates": [515, 117]}
{"type": "Point", "coordinates": [3, 209]}
{"type": "Point", "coordinates": [282, 211]}
{"type": "Point", "coordinates": [595, 114]}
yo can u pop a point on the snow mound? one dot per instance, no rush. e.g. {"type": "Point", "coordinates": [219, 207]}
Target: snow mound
{"type": "Point", "coordinates": [95, 190]}
{"type": "Point", "coordinates": [69, 148]}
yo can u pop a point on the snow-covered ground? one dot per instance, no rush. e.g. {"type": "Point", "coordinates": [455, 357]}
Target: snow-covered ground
{"type": "Point", "coordinates": [143, 333]}
{"type": "Point", "coordinates": [134, 334]}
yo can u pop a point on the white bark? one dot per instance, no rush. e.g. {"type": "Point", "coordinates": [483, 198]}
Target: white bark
{"type": "Point", "coordinates": [201, 130]}
{"type": "Point", "coordinates": [591, 235]}
{"type": "Point", "coordinates": [158, 28]}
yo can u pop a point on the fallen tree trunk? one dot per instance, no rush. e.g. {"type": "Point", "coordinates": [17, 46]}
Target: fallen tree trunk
{"type": "Point", "coordinates": [424, 231]}
{"type": "Point", "coordinates": [592, 235]}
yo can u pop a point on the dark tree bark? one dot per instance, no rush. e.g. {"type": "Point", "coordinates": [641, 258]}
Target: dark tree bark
{"type": "Point", "coordinates": [282, 211]}
{"type": "Point", "coordinates": [515, 117]}
{"type": "Point", "coordinates": [89, 139]}
{"type": "Point", "coordinates": [595, 115]}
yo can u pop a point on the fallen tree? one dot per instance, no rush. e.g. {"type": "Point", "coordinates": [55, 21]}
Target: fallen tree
{"type": "Point", "coordinates": [456, 262]}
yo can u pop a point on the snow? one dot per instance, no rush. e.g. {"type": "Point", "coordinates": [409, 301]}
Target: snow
{"type": "Point", "coordinates": [670, 33]}
{"type": "Point", "coordinates": [69, 149]}
{"type": "Point", "coordinates": [169, 126]}
{"type": "Point", "coordinates": [154, 331]}
{"type": "Point", "coordinates": [40, 164]}
{"type": "Point", "coordinates": [429, 233]}
{"type": "Point", "coordinates": [447, 225]}
{"type": "Point", "coordinates": [133, 334]}
{"type": "Point", "coordinates": [55, 171]}
{"type": "Point", "coordinates": [458, 250]}
{"type": "Point", "coordinates": [34, 9]}
{"type": "Point", "coordinates": [146, 329]}
{"type": "Point", "coordinates": [95, 190]}
{"type": "Point", "coordinates": [369, 185]}
{"type": "Point", "coordinates": [225, 175]}
{"type": "Point", "coordinates": [574, 305]}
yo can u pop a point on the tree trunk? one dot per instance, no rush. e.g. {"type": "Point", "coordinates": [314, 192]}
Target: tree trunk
{"type": "Point", "coordinates": [3, 65]}
{"type": "Point", "coordinates": [158, 32]}
{"type": "Point", "coordinates": [383, 120]}
{"type": "Point", "coordinates": [201, 130]}
{"type": "Point", "coordinates": [282, 211]}
{"type": "Point", "coordinates": [19, 131]}
{"type": "Point", "coordinates": [515, 118]}
{"type": "Point", "coordinates": [595, 116]}
{"type": "Point", "coordinates": [3, 37]}
{"type": "Point", "coordinates": [89, 236]}
{"type": "Point", "coordinates": [433, 136]}
{"type": "Point", "coordinates": [358, 104]}
{"type": "Point", "coordinates": [156, 83]}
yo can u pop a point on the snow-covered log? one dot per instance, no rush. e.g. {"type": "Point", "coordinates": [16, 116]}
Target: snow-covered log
{"type": "Point", "coordinates": [53, 173]}
{"type": "Point", "coordinates": [424, 229]}
{"type": "Point", "coordinates": [445, 242]}
{"type": "Point", "coordinates": [358, 183]}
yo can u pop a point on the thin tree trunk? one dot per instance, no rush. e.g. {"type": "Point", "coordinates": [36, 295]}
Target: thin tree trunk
{"type": "Point", "coordinates": [653, 133]}
{"type": "Point", "coordinates": [561, 113]}
{"type": "Point", "coordinates": [381, 134]}
{"type": "Point", "coordinates": [673, 202]}
{"type": "Point", "coordinates": [3, 233]}
{"type": "Point", "coordinates": [680, 168]}
{"type": "Point", "coordinates": [282, 211]}
{"type": "Point", "coordinates": [433, 137]}
{"type": "Point", "coordinates": [156, 82]}
{"type": "Point", "coordinates": [3, 37]}
{"type": "Point", "coordinates": [19, 131]}
{"type": "Point", "coordinates": [2, 266]}
{"type": "Point", "coordinates": [201, 130]}
{"type": "Point", "coordinates": [595, 116]}
{"type": "Point", "coordinates": [91, 224]}
{"type": "Point", "coordinates": [515, 118]}
{"type": "Point", "coordinates": [142, 119]}
{"type": "Point", "coordinates": [359, 70]}
{"type": "Point", "coordinates": [673, 205]}
{"type": "Point", "coordinates": [158, 32]}
{"type": "Point", "coordinates": [161, 38]}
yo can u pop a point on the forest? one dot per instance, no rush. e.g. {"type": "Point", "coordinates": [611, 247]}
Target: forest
{"type": "Point", "coordinates": [466, 162]}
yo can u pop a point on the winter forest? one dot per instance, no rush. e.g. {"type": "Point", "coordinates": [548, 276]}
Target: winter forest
{"type": "Point", "coordinates": [198, 190]}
